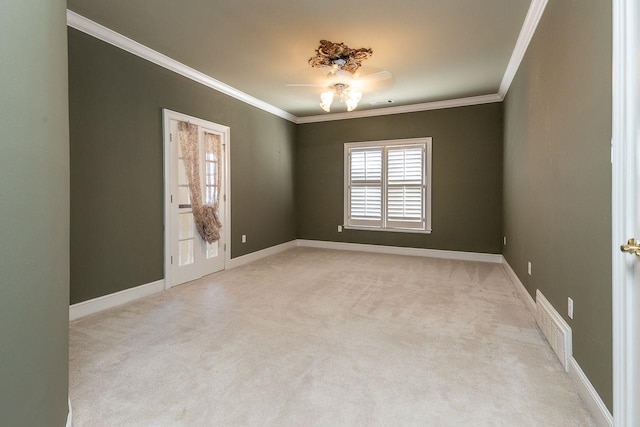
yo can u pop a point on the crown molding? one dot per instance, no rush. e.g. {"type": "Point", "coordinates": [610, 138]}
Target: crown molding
{"type": "Point", "coordinates": [531, 21]}
{"type": "Point", "coordinates": [103, 33]}
{"type": "Point", "coordinates": [436, 105]}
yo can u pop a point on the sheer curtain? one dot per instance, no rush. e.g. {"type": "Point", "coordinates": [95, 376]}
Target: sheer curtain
{"type": "Point", "coordinates": [205, 215]}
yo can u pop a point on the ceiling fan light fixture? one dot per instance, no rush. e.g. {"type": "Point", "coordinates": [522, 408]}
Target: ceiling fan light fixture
{"type": "Point", "coordinates": [353, 98]}
{"type": "Point", "coordinates": [352, 104]}
{"type": "Point", "coordinates": [343, 79]}
{"type": "Point", "coordinates": [326, 98]}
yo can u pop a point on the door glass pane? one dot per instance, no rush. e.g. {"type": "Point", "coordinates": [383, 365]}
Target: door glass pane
{"type": "Point", "coordinates": [180, 154]}
{"type": "Point", "coordinates": [211, 170]}
{"type": "Point", "coordinates": [185, 226]}
{"type": "Point", "coordinates": [213, 149]}
{"type": "Point", "coordinates": [183, 196]}
{"type": "Point", "coordinates": [186, 252]}
{"type": "Point", "coordinates": [212, 250]}
{"type": "Point", "coordinates": [182, 173]}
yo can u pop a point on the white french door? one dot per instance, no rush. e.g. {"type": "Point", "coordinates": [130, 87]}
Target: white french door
{"type": "Point", "coordinates": [187, 255]}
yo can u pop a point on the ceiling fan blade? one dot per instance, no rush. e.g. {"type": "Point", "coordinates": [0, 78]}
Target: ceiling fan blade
{"type": "Point", "coordinates": [380, 75]}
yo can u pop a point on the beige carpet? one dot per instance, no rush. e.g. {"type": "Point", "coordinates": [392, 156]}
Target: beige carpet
{"type": "Point", "coordinates": [314, 337]}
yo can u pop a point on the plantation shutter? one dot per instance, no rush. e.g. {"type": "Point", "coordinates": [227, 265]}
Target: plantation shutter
{"type": "Point", "coordinates": [387, 185]}
{"type": "Point", "coordinates": [405, 186]}
{"type": "Point", "coordinates": [365, 187]}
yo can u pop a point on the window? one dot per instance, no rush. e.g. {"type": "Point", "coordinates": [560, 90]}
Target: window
{"type": "Point", "coordinates": [388, 185]}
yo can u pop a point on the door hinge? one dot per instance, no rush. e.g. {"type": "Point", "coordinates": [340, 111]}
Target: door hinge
{"type": "Point", "coordinates": [172, 198]}
{"type": "Point", "coordinates": [225, 247]}
{"type": "Point", "coordinates": [224, 197]}
{"type": "Point", "coordinates": [172, 260]}
{"type": "Point", "coordinates": [171, 137]}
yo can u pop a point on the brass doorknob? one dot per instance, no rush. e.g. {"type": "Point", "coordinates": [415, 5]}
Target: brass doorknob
{"type": "Point", "coordinates": [631, 247]}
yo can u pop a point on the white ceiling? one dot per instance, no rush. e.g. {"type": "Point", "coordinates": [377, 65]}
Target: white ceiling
{"type": "Point", "coordinates": [435, 49]}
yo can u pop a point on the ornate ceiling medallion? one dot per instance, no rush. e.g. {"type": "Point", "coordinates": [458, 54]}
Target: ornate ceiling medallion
{"type": "Point", "coordinates": [339, 56]}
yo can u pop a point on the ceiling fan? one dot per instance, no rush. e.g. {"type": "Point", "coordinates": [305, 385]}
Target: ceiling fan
{"type": "Point", "coordinates": [342, 79]}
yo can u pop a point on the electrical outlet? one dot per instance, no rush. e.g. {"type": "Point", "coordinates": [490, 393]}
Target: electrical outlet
{"type": "Point", "coordinates": [570, 307]}
{"type": "Point", "coordinates": [504, 240]}
{"type": "Point", "coordinates": [244, 238]}
{"type": "Point", "coordinates": [529, 268]}
{"type": "Point", "coordinates": [339, 229]}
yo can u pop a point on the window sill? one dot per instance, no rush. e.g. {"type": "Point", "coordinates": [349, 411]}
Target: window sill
{"type": "Point", "coordinates": [388, 230]}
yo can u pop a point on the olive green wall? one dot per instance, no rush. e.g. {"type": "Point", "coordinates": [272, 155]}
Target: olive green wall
{"type": "Point", "coordinates": [116, 102]}
{"type": "Point", "coordinates": [467, 177]}
{"type": "Point", "coordinates": [34, 214]}
{"type": "Point", "coordinates": [557, 175]}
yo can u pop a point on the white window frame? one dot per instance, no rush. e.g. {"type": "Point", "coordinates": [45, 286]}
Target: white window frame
{"type": "Point", "coordinates": [387, 225]}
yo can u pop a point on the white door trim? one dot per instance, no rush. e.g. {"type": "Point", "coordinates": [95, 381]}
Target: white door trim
{"type": "Point", "coordinates": [168, 115]}
{"type": "Point", "coordinates": [625, 128]}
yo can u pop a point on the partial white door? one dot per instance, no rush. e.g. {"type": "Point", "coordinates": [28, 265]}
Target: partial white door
{"type": "Point", "coordinates": [626, 213]}
{"type": "Point", "coordinates": [188, 256]}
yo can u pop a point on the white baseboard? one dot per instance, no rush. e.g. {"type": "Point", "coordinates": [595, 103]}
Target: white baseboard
{"type": "Point", "coordinates": [589, 395]}
{"type": "Point", "coordinates": [396, 250]}
{"type": "Point", "coordinates": [255, 256]}
{"type": "Point", "coordinates": [522, 291]}
{"type": "Point", "coordinates": [69, 416]}
{"type": "Point", "coordinates": [91, 306]}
